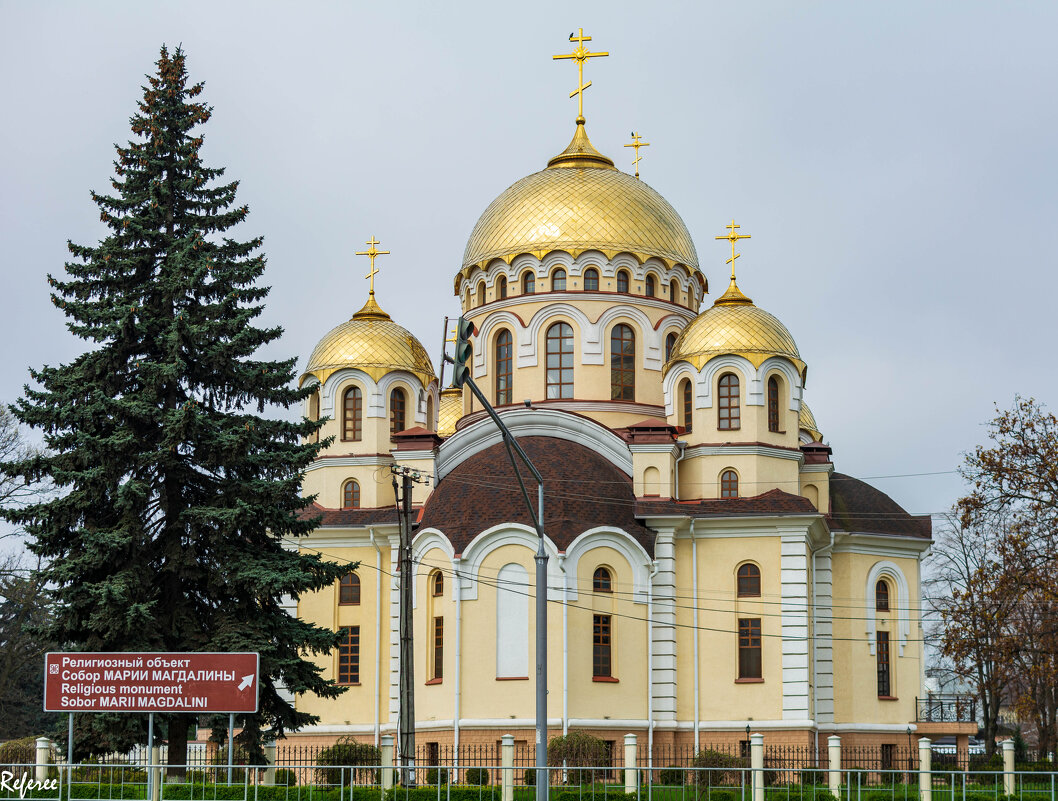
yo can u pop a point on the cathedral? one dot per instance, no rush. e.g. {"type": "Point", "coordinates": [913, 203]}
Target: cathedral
{"type": "Point", "coordinates": [709, 569]}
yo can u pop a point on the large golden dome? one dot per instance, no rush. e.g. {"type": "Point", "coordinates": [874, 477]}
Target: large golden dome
{"type": "Point", "coordinates": [580, 202]}
{"type": "Point", "coordinates": [734, 325]}
{"type": "Point", "coordinates": [371, 342]}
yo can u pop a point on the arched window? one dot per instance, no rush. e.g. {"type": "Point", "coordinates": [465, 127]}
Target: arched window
{"type": "Point", "coordinates": [351, 494]}
{"type": "Point", "coordinates": [601, 581]}
{"type": "Point", "coordinates": [674, 291]}
{"type": "Point", "coordinates": [622, 363]}
{"type": "Point", "coordinates": [481, 293]}
{"type": "Point", "coordinates": [881, 596]}
{"type": "Point", "coordinates": [622, 280]}
{"type": "Point", "coordinates": [729, 484]}
{"type": "Point", "coordinates": [686, 401]}
{"type": "Point", "coordinates": [558, 280]}
{"type": "Point", "coordinates": [352, 414]}
{"type": "Point", "coordinates": [437, 584]}
{"type": "Point", "coordinates": [651, 286]}
{"type": "Point", "coordinates": [397, 406]}
{"type": "Point", "coordinates": [504, 352]}
{"type": "Point", "coordinates": [560, 361]}
{"type": "Point", "coordinates": [314, 412]}
{"type": "Point", "coordinates": [349, 590]}
{"type": "Point", "coordinates": [430, 424]}
{"type": "Point", "coordinates": [748, 581]}
{"type": "Point", "coordinates": [528, 283]}
{"type": "Point", "coordinates": [670, 340]}
{"type": "Point", "coordinates": [728, 408]}
{"type": "Point", "coordinates": [591, 280]}
{"type": "Point", "coordinates": [773, 404]}
{"type": "Point", "coordinates": [501, 288]}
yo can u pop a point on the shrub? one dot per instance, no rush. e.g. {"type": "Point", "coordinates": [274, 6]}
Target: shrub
{"type": "Point", "coordinates": [285, 777]}
{"type": "Point", "coordinates": [723, 795]}
{"type": "Point", "coordinates": [724, 768]}
{"type": "Point", "coordinates": [672, 776]}
{"type": "Point", "coordinates": [347, 752]}
{"type": "Point", "coordinates": [529, 777]}
{"type": "Point", "coordinates": [477, 776]}
{"type": "Point", "coordinates": [435, 778]}
{"type": "Point", "coordinates": [578, 749]}
{"type": "Point", "coordinates": [19, 752]}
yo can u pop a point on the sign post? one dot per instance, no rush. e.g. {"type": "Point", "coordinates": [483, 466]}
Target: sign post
{"type": "Point", "coordinates": [200, 683]}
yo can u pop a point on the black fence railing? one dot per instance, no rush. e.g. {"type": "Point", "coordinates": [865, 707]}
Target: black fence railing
{"type": "Point", "coordinates": [946, 708]}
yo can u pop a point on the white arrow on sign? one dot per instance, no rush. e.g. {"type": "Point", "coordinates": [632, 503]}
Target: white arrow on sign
{"type": "Point", "coordinates": [246, 682]}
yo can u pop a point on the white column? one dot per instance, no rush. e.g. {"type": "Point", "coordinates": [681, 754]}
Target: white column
{"type": "Point", "coordinates": [156, 783]}
{"type": "Point", "coordinates": [394, 630]}
{"type": "Point", "coordinates": [794, 578]}
{"type": "Point", "coordinates": [631, 782]}
{"type": "Point", "coordinates": [824, 642]}
{"type": "Point", "coordinates": [664, 628]}
{"type": "Point", "coordinates": [756, 763]}
{"type": "Point", "coordinates": [834, 777]}
{"type": "Point", "coordinates": [43, 758]}
{"type": "Point", "coordinates": [507, 763]}
{"type": "Point", "coordinates": [925, 767]}
{"type": "Point", "coordinates": [387, 761]}
{"type": "Point", "coordinates": [1009, 783]}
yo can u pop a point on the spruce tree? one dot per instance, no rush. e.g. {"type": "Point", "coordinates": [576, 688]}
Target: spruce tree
{"type": "Point", "coordinates": [177, 496]}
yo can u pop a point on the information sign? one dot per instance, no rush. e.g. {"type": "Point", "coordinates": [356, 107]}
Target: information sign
{"type": "Point", "coordinates": [151, 682]}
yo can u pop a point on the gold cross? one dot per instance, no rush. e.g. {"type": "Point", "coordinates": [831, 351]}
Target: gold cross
{"type": "Point", "coordinates": [580, 54]}
{"type": "Point", "coordinates": [733, 237]}
{"type": "Point", "coordinates": [637, 144]}
{"type": "Point", "coordinates": [371, 253]}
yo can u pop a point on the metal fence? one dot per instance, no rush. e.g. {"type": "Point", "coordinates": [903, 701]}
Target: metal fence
{"type": "Point", "coordinates": [494, 782]}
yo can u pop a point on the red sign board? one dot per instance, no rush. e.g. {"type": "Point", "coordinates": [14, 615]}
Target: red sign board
{"type": "Point", "coordinates": [150, 682]}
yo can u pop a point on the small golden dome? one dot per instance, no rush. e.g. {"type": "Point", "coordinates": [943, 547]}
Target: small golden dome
{"type": "Point", "coordinates": [580, 202]}
{"type": "Point", "coordinates": [371, 342]}
{"type": "Point", "coordinates": [806, 421]}
{"type": "Point", "coordinates": [734, 325]}
{"type": "Point", "coordinates": [449, 411]}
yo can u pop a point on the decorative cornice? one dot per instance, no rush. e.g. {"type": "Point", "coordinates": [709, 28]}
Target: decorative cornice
{"type": "Point", "coordinates": [374, 460]}
{"type": "Point", "coordinates": [744, 449]}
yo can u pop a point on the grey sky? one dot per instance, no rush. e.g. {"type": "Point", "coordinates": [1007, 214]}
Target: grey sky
{"type": "Point", "coordinates": [895, 164]}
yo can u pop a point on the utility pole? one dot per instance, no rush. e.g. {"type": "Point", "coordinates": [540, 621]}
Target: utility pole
{"type": "Point", "coordinates": [406, 720]}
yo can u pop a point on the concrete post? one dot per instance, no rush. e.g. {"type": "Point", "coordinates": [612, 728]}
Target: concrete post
{"type": "Point", "coordinates": [387, 761]}
{"type": "Point", "coordinates": [925, 770]}
{"type": "Point", "coordinates": [1009, 784]}
{"type": "Point", "coordinates": [756, 762]}
{"type": "Point", "coordinates": [631, 782]}
{"type": "Point", "coordinates": [43, 758]}
{"type": "Point", "coordinates": [834, 776]}
{"type": "Point", "coordinates": [270, 759]}
{"type": "Point", "coordinates": [156, 781]}
{"type": "Point", "coordinates": [507, 763]}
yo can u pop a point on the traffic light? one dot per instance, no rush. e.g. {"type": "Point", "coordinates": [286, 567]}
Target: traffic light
{"type": "Point", "coordinates": [464, 349]}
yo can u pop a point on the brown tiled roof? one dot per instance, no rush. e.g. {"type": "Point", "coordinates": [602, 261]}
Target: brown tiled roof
{"type": "Point", "coordinates": [774, 502]}
{"type": "Point", "coordinates": [581, 490]}
{"type": "Point", "coordinates": [856, 506]}
{"type": "Point", "coordinates": [350, 518]}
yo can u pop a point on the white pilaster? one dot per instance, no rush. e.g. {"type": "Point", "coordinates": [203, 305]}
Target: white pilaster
{"type": "Point", "coordinates": [394, 629]}
{"type": "Point", "coordinates": [663, 691]}
{"type": "Point", "coordinates": [824, 634]}
{"type": "Point", "coordinates": [794, 577]}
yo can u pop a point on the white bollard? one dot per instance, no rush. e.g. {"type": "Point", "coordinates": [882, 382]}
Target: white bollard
{"type": "Point", "coordinates": [43, 758]}
{"type": "Point", "coordinates": [507, 763]}
{"type": "Point", "coordinates": [1008, 768]}
{"type": "Point", "coordinates": [756, 762]}
{"type": "Point", "coordinates": [925, 770]}
{"type": "Point", "coordinates": [270, 759]}
{"type": "Point", "coordinates": [631, 782]}
{"type": "Point", "coordinates": [834, 776]}
{"type": "Point", "coordinates": [387, 761]}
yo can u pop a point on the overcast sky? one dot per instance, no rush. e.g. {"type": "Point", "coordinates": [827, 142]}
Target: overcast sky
{"type": "Point", "coordinates": [895, 164]}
